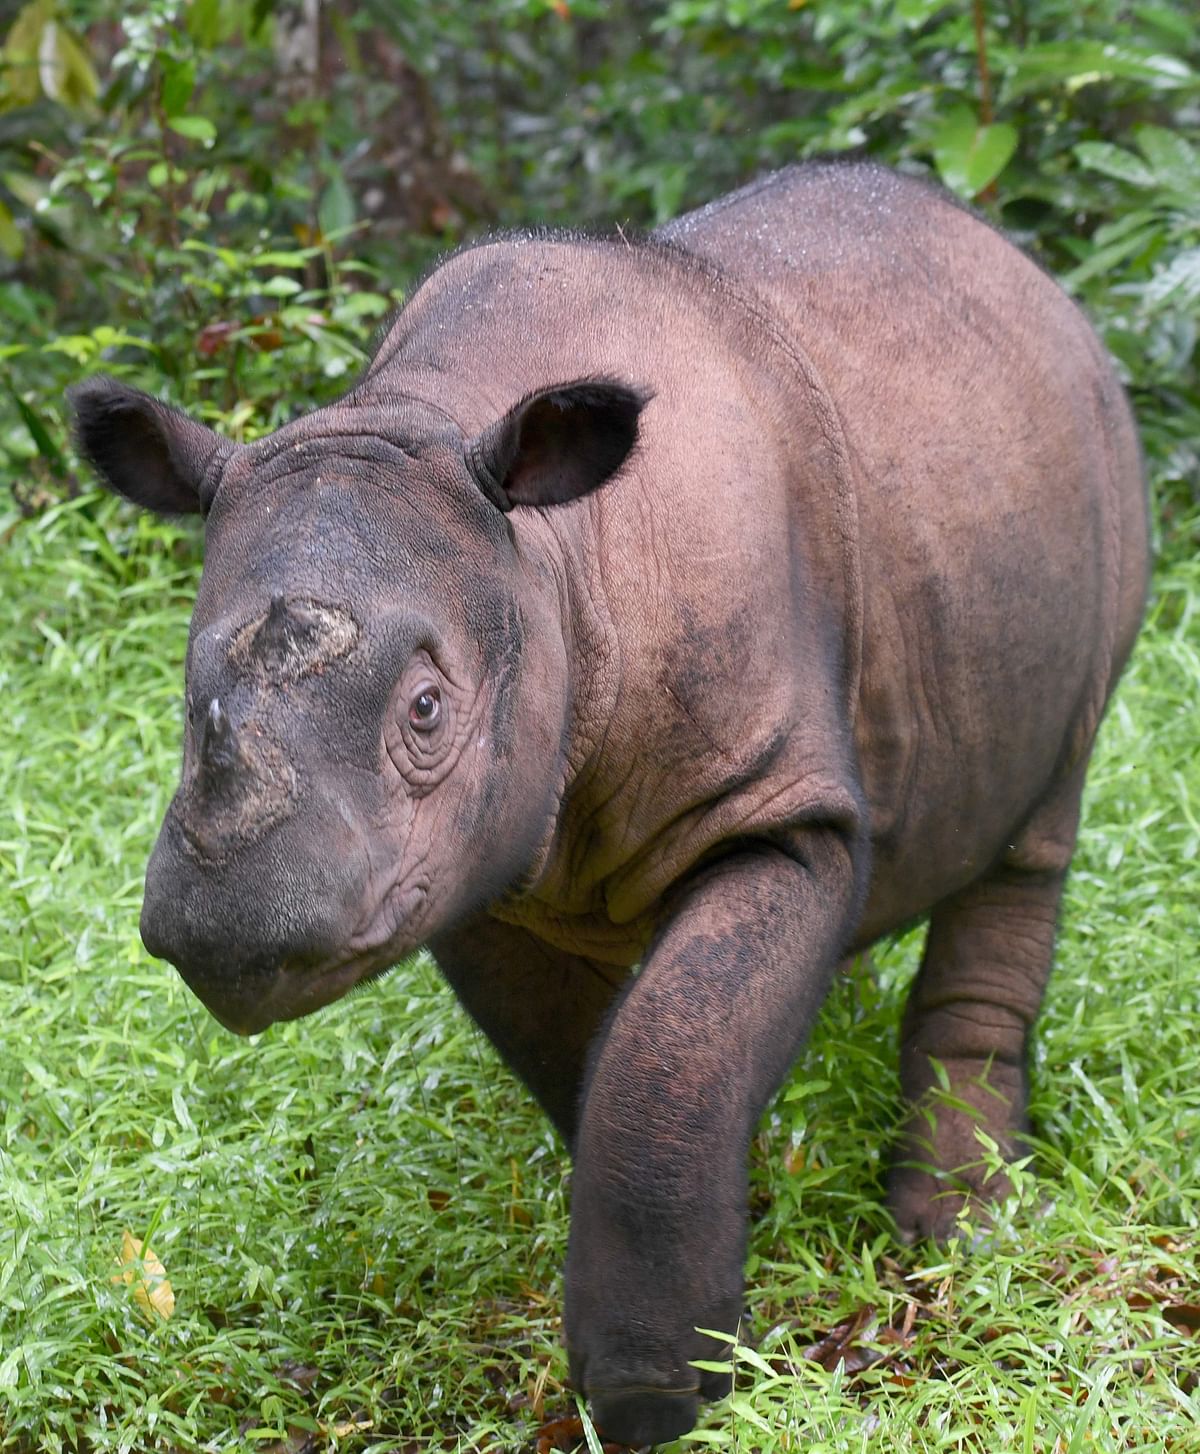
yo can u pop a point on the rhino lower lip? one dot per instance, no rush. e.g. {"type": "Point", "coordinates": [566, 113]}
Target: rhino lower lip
{"type": "Point", "coordinates": [294, 992]}
{"type": "Point", "coordinates": [374, 950]}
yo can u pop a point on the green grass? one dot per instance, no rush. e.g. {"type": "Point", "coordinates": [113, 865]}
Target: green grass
{"type": "Point", "coordinates": [363, 1218]}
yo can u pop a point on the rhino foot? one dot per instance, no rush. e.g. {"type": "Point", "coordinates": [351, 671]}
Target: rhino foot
{"type": "Point", "coordinates": [939, 1168]}
{"type": "Point", "coordinates": [641, 1416]}
{"type": "Point", "coordinates": [926, 1205]}
{"type": "Point", "coordinates": [643, 1413]}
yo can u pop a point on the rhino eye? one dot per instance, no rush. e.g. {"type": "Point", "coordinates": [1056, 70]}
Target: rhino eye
{"type": "Point", "coordinates": [425, 709]}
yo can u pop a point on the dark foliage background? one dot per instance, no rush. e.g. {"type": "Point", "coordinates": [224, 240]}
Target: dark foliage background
{"type": "Point", "coordinates": [221, 198]}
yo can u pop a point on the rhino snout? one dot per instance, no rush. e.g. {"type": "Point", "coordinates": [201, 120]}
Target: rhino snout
{"type": "Point", "coordinates": [258, 936]}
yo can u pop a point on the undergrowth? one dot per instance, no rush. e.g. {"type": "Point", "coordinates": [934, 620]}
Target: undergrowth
{"type": "Point", "coordinates": [362, 1217]}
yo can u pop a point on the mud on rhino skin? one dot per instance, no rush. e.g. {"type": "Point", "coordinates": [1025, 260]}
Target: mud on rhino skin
{"type": "Point", "coordinates": [713, 604]}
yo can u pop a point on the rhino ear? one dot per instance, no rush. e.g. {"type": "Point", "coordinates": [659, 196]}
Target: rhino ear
{"type": "Point", "coordinates": [143, 449]}
{"type": "Point", "coordinates": [558, 444]}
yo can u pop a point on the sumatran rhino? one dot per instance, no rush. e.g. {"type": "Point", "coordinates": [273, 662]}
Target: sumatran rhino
{"type": "Point", "coordinates": [712, 603]}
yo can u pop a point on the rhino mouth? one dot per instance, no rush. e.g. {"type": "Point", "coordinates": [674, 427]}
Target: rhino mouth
{"type": "Point", "coordinates": [295, 989]}
{"type": "Point", "coordinates": [289, 993]}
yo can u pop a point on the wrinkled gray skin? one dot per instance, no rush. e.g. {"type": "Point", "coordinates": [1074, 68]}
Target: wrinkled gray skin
{"type": "Point", "coordinates": [715, 603]}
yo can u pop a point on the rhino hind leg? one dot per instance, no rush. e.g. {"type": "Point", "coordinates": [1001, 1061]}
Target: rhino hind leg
{"type": "Point", "coordinates": [964, 1035]}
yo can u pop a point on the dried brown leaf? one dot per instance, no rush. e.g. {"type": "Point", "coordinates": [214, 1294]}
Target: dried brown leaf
{"type": "Point", "coordinates": [144, 1273]}
{"type": "Point", "coordinates": [1184, 1316]}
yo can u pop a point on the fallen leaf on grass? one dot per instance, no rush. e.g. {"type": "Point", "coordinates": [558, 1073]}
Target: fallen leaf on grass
{"type": "Point", "coordinates": [144, 1273]}
{"type": "Point", "coordinates": [561, 1436]}
{"type": "Point", "coordinates": [1184, 1316]}
{"type": "Point", "coordinates": [298, 1441]}
{"type": "Point", "coordinates": [302, 1375]}
{"type": "Point", "coordinates": [345, 1427]}
{"type": "Point", "coordinates": [842, 1344]}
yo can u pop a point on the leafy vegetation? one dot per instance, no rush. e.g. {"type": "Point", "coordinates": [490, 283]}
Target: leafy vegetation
{"type": "Point", "coordinates": [362, 1218]}
{"type": "Point", "coordinates": [166, 212]}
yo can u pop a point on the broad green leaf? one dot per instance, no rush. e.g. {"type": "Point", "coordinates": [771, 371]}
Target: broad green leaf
{"type": "Point", "coordinates": [991, 153]}
{"type": "Point", "coordinates": [917, 12]}
{"type": "Point", "coordinates": [195, 128]}
{"type": "Point", "coordinates": [84, 347]}
{"type": "Point", "coordinates": [179, 81]}
{"type": "Point", "coordinates": [278, 287]}
{"type": "Point", "coordinates": [745, 1354]}
{"type": "Point", "coordinates": [66, 73]}
{"type": "Point", "coordinates": [26, 189]}
{"type": "Point", "coordinates": [362, 305]}
{"type": "Point", "coordinates": [1115, 161]}
{"type": "Point", "coordinates": [803, 75]}
{"type": "Point", "coordinates": [1178, 282]}
{"type": "Point", "coordinates": [1077, 63]}
{"type": "Point", "coordinates": [179, 1105]}
{"type": "Point", "coordinates": [80, 84]}
{"type": "Point", "coordinates": [278, 258]}
{"type": "Point", "coordinates": [336, 212]}
{"type": "Point", "coordinates": [10, 1368]}
{"type": "Point", "coordinates": [231, 259]}
{"type": "Point", "coordinates": [1174, 159]}
{"type": "Point", "coordinates": [1122, 226]}
{"type": "Point", "coordinates": [77, 346]}
{"type": "Point", "coordinates": [1178, 26]}
{"type": "Point", "coordinates": [12, 244]}
{"type": "Point", "coordinates": [667, 190]}
{"type": "Point", "coordinates": [20, 53]}
{"type": "Point", "coordinates": [968, 155]}
{"type": "Point", "coordinates": [741, 1405]}
{"type": "Point", "coordinates": [204, 22]}
{"type": "Point", "coordinates": [108, 337]}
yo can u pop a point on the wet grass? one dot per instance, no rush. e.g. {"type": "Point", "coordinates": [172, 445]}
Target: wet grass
{"type": "Point", "coordinates": [362, 1218]}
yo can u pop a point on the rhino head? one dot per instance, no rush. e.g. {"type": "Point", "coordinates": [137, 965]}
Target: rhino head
{"type": "Point", "coordinates": [378, 676]}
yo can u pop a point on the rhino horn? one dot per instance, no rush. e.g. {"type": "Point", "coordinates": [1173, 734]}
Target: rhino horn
{"type": "Point", "coordinates": [292, 638]}
{"type": "Point", "coordinates": [218, 746]}
{"type": "Point", "coordinates": [276, 637]}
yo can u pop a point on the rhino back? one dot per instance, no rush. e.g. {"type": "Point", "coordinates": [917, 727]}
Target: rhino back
{"type": "Point", "coordinates": [999, 494]}
{"type": "Point", "coordinates": [882, 536]}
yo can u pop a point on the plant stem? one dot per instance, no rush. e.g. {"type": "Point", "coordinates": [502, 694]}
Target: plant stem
{"type": "Point", "coordinates": [981, 60]}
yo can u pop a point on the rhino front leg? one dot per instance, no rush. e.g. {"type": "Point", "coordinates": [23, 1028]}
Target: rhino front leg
{"type": "Point", "coordinates": [698, 1044]}
{"type": "Point", "coordinates": [539, 1006]}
